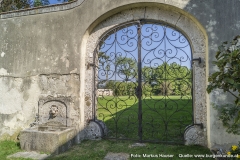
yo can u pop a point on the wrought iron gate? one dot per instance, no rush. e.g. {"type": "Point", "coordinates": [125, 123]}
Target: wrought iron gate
{"type": "Point", "coordinates": [143, 82]}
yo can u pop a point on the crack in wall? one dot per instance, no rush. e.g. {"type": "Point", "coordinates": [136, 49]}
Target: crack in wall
{"type": "Point", "coordinates": [178, 20]}
{"type": "Point", "coordinates": [145, 12]}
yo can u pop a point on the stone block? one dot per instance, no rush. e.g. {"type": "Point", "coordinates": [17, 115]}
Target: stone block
{"type": "Point", "coordinates": [47, 140]}
{"type": "Point", "coordinates": [116, 156]}
{"type": "Point", "coordinates": [162, 15]}
{"type": "Point", "coordinates": [96, 130]}
{"type": "Point", "coordinates": [194, 136]}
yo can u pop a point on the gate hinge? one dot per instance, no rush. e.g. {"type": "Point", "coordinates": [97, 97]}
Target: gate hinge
{"type": "Point", "coordinates": [199, 124]}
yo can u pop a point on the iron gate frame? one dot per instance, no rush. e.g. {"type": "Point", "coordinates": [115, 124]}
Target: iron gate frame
{"type": "Point", "coordinates": [139, 24]}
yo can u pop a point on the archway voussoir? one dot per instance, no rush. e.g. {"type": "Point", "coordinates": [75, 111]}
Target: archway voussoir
{"type": "Point", "coordinates": [168, 17]}
{"type": "Point", "coordinates": [152, 13]}
{"type": "Point", "coordinates": [193, 32]}
{"type": "Point", "coordinates": [119, 18]}
{"type": "Point", "coordinates": [139, 13]}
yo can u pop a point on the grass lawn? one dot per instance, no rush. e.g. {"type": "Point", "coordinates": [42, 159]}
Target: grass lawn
{"type": "Point", "coordinates": [164, 119]}
{"type": "Point", "coordinates": [126, 117]}
{"type": "Point", "coordinates": [8, 148]}
{"type": "Point", "coordinates": [97, 150]}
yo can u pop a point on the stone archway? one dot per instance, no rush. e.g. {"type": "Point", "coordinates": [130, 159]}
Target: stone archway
{"type": "Point", "coordinates": [195, 134]}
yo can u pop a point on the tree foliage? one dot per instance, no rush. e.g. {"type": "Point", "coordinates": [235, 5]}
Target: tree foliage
{"type": "Point", "coordinates": [104, 62]}
{"type": "Point", "coordinates": [227, 78]}
{"type": "Point", "coordinates": [121, 75]}
{"type": "Point", "coordinates": [126, 67]}
{"type": "Point", "coordinates": [166, 79]}
{"type": "Point", "coordinates": [10, 5]}
{"type": "Point", "coordinates": [37, 3]}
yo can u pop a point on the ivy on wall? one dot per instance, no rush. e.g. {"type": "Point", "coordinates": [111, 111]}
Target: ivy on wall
{"type": "Point", "coordinates": [227, 78]}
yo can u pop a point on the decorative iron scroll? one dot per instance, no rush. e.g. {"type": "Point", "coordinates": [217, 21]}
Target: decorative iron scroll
{"type": "Point", "coordinates": [145, 70]}
{"type": "Point", "coordinates": [13, 5]}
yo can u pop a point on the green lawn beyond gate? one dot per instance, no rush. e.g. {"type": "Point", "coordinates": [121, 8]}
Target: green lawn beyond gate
{"type": "Point", "coordinates": [164, 119]}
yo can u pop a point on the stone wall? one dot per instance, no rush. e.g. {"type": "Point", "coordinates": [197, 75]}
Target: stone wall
{"type": "Point", "coordinates": [20, 100]}
{"type": "Point", "coordinates": [173, 18]}
{"type": "Point", "coordinates": [45, 52]}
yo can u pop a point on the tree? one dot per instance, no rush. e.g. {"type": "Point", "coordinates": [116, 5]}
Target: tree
{"type": "Point", "coordinates": [9, 5]}
{"type": "Point", "coordinates": [227, 79]}
{"type": "Point", "coordinates": [104, 63]}
{"type": "Point", "coordinates": [126, 68]}
{"type": "Point", "coordinates": [37, 3]}
{"type": "Point", "coordinates": [167, 79]}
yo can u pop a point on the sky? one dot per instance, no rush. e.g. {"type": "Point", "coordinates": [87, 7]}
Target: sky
{"type": "Point", "coordinates": [54, 1]}
{"type": "Point", "coordinates": [159, 44]}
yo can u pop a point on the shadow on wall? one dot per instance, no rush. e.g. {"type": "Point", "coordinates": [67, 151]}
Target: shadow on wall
{"type": "Point", "coordinates": [221, 20]}
{"type": "Point", "coordinates": [220, 23]}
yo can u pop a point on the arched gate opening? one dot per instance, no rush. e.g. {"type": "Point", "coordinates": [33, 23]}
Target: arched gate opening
{"type": "Point", "coordinates": [143, 82]}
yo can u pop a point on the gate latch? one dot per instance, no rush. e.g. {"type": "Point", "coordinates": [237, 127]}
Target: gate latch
{"type": "Point", "coordinates": [138, 92]}
{"type": "Point", "coordinates": [90, 65]}
{"type": "Point", "coordinates": [197, 59]}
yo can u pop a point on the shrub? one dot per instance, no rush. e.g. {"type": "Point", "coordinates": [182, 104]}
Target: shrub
{"type": "Point", "coordinates": [227, 78]}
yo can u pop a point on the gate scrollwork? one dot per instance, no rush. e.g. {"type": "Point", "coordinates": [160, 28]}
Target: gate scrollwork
{"type": "Point", "coordinates": [144, 73]}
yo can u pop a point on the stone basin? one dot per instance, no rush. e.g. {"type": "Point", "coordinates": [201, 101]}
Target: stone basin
{"type": "Point", "coordinates": [47, 139]}
{"type": "Point", "coordinates": [50, 128]}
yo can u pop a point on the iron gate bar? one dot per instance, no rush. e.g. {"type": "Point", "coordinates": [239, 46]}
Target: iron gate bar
{"type": "Point", "coordinates": [94, 97]}
{"type": "Point", "coordinates": [139, 83]}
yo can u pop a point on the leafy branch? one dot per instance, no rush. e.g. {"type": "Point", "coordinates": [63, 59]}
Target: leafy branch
{"type": "Point", "coordinates": [227, 78]}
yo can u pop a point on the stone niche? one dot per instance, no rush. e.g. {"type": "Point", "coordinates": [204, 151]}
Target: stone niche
{"type": "Point", "coordinates": [54, 111]}
{"type": "Point", "coordinates": [53, 132]}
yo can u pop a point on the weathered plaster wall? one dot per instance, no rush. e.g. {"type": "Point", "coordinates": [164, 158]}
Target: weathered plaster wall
{"type": "Point", "coordinates": [33, 66]}
{"type": "Point", "coordinates": [19, 99]}
{"type": "Point", "coordinates": [56, 42]}
{"type": "Point", "coordinates": [28, 45]}
{"type": "Point", "coordinates": [17, 107]}
{"type": "Point", "coordinates": [221, 21]}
